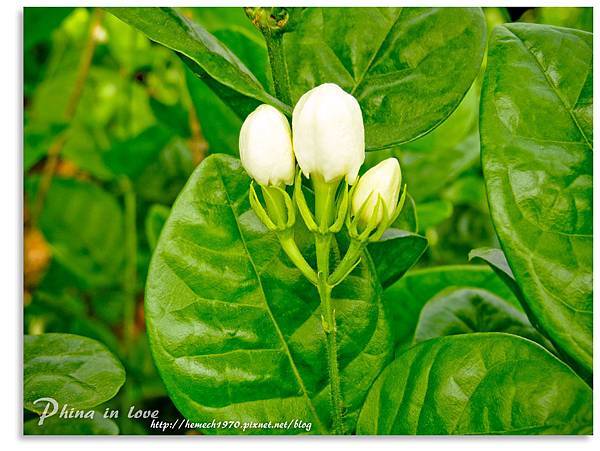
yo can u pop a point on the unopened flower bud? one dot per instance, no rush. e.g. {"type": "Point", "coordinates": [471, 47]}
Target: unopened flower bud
{"type": "Point", "coordinates": [329, 136]}
{"type": "Point", "coordinates": [266, 147]}
{"type": "Point", "coordinates": [381, 180]}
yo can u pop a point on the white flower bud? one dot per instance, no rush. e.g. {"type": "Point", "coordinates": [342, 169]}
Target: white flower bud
{"type": "Point", "coordinates": [381, 180]}
{"type": "Point", "coordinates": [266, 147]}
{"type": "Point", "coordinates": [329, 135]}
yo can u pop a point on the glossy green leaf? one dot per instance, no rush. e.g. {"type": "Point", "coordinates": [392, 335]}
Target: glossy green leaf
{"type": "Point", "coordinates": [236, 330]}
{"type": "Point", "coordinates": [73, 426]}
{"type": "Point", "coordinates": [488, 383]}
{"type": "Point", "coordinates": [395, 253]}
{"type": "Point", "coordinates": [407, 219]}
{"type": "Point", "coordinates": [72, 370]}
{"type": "Point", "coordinates": [497, 261]}
{"type": "Point", "coordinates": [251, 50]}
{"type": "Point", "coordinates": [74, 222]}
{"type": "Point", "coordinates": [457, 311]}
{"type": "Point", "coordinates": [220, 125]}
{"type": "Point", "coordinates": [405, 299]}
{"type": "Point", "coordinates": [537, 161]}
{"type": "Point", "coordinates": [408, 67]}
{"type": "Point", "coordinates": [210, 60]}
{"type": "Point", "coordinates": [440, 155]}
{"type": "Point", "coordinates": [452, 131]}
{"type": "Point", "coordinates": [400, 247]}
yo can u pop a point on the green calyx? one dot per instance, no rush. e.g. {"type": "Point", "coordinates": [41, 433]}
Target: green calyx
{"type": "Point", "coordinates": [331, 213]}
{"type": "Point", "coordinates": [331, 205]}
{"type": "Point", "coordinates": [280, 213]}
{"type": "Point", "coordinates": [279, 216]}
{"type": "Point", "coordinates": [373, 229]}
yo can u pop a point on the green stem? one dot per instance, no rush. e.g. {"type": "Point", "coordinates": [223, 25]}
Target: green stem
{"type": "Point", "coordinates": [288, 244]}
{"type": "Point", "coordinates": [350, 259]}
{"type": "Point", "coordinates": [279, 70]}
{"type": "Point", "coordinates": [129, 287]}
{"type": "Point", "coordinates": [323, 244]}
{"type": "Point", "coordinates": [278, 212]}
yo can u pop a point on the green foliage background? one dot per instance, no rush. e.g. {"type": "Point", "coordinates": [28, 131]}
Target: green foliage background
{"type": "Point", "coordinates": [114, 125]}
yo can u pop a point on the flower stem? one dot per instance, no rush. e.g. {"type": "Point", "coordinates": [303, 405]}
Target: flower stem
{"type": "Point", "coordinates": [348, 263]}
{"type": "Point", "coordinates": [323, 244]}
{"type": "Point", "coordinates": [279, 70]}
{"type": "Point", "coordinates": [288, 244]}
{"type": "Point", "coordinates": [278, 211]}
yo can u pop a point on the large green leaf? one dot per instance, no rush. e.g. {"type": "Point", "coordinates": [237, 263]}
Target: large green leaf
{"type": "Point", "coordinates": [537, 160]}
{"type": "Point", "coordinates": [236, 330]}
{"type": "Point", "coordinates": [405, 299]}
{"type": "Point", "coordinates": [220, 124]}
{"type": "Point", "coordinates": [400, 247]}
{"type": "Point", "coordinates": [407, 220]}
{"type": "Point", "coordinates": [496, 259]}
{"type": "Point", "coordinates": [210, 60]}
{"type": "Point", "coordinates": [84, 227]}
{"type": "Point", "coordinates": [489, 383]}
{"type": "Point", "coordinates": [251, 49]}
{"type": "Point", "coordinates": [72, 370]}
{"type": "Point", "coordinates": [453, 131]}
{"type": "Point", "coordinates": [395, 253]}
{"type": "Point", "coordinates": [457, 311]}
{"type": "Point", "coordinates": [72, 426]}
{"type": "Point", "coordinates": [408, 67]}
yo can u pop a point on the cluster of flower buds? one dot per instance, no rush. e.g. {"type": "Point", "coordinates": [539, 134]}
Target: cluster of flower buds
{"type": "Point", "coordinates": [327, 141]}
